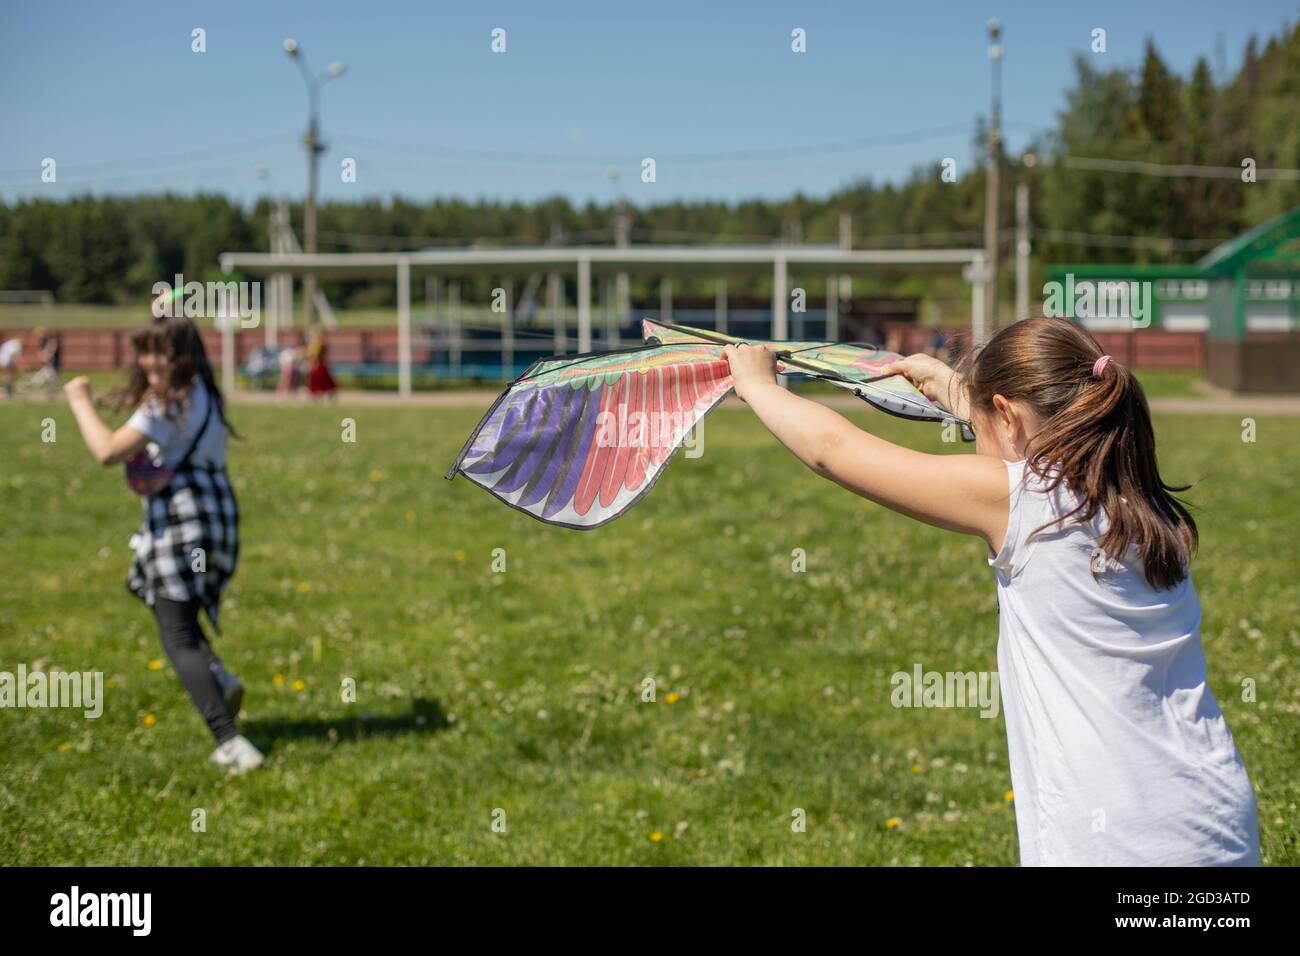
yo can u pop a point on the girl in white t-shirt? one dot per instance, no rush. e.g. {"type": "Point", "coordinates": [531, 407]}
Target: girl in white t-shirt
{"type": "Point", "coordinates": [187, 546]}
{"type": "Point", "coordinates": [1119, 753]}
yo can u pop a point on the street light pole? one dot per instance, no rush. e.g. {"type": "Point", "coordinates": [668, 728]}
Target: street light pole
{"type": "Point", "coordinates": [1023, 247]}
{"type": "Point", "coordinates": [993, 175]}
{"type": "Point", "coordinates": [314, 148]}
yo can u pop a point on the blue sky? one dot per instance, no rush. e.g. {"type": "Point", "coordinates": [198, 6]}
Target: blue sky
{"type": "Point", "coordinates": [113, 92]}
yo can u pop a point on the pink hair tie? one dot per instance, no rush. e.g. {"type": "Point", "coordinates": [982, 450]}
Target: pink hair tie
{"type": "Point", "coordinates": [1099, 366]}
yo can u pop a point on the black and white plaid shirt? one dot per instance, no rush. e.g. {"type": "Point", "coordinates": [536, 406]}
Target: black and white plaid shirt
{"type": "Point", "coordinates": [188, 544]}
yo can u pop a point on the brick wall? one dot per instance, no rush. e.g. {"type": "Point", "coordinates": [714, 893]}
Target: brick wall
{"type": "Point", "coordinates": [95, 349]}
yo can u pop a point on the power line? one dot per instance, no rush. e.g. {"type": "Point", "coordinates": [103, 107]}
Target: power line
{"type": "Point", "coordinates": [164, 159]}
{"type": "Point", "coordinates": [802, 151]}
{"type": "Point", "coordinates": [1126, 242]}
{"type": "Point", "coordinates": [64, 183]}
{"type": "Point", "coordinates": [798, 151]}
{"type": "Point", "coordinates": [373, 241]}
{"type": "Point", "coordinates": [1183, 170]}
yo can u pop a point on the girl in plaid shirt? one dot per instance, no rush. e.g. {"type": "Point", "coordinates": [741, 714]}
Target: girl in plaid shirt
{"type": "Point", "coordinates": [187, 546]}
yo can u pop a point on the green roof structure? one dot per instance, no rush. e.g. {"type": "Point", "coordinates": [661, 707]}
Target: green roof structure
{"type": "Point", "coordinates": [1276, 241]}
{"type": "Point", "coordinates": [1244, 295]}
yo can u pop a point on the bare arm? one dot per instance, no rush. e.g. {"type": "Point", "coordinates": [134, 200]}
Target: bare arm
{"type": "Point", "coordinates": [107, 446]}
{"type": "Point", "coordinates": [966, 493]}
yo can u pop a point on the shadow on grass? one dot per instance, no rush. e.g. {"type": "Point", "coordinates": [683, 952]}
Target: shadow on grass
{"type": "Point", "coordinates": [425, 717]}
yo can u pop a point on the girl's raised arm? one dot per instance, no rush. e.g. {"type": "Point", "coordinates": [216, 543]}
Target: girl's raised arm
{"type": "Point", "coordinates": [109, 447]}
{"type": "Point", "coordinates": [966, 493]}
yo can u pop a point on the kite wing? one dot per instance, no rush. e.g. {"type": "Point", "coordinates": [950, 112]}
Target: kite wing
{"type": "Point", "coordinates": [577, 440]}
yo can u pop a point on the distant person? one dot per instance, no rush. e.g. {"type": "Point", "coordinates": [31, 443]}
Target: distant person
{"type": "Point", "coordinates": [263, 368]}
{"type": "Point", "coordinates": [50, 351]}
{"type": "Point", "coordinates": [9, 352]}
{"type": "Point", "coordinates": [257, 366]}
{"type": "Point", "coordinates": [174, 446]}
{"type": "Point", "coordinates": [290, 374]}
{"type": "Point", "coordinates": [319, 380]}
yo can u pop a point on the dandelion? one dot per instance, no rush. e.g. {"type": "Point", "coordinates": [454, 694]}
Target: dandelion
{"type": "Point", "coordinates": [154, 665]}
{"type": "Point", "coordinates": [376, 475]}
{"type": "Point", "coordinates": [672, 697]}
{"type": "Point", "coordinates": [656, 837]}
{"type": "Point", "coordinates": [916, 768]}
{"type": "Point", "coordinates": [278, 680]}
{"type": "Point", "coordinates": [149, 720]}
{"type": "Point", "coordinates": [303, 587]}
{"type": "Point", "coordinates": [1009, 796]}
{"type": "Point", "coordinates": [893, 822]}
{"type": "Point", "coordinates": [64, 747]}
{"type": "Point", "coordinates": [298, 685]}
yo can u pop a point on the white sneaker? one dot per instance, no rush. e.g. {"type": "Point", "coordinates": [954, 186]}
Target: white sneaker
{"type": "Point", "coordinates": [232, 688]}
{"type": "Point", "coordinates": [239, 754]}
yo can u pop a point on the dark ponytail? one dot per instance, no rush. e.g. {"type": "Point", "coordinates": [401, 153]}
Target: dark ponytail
{"type": "Point", "coordinates": [1096, 438]}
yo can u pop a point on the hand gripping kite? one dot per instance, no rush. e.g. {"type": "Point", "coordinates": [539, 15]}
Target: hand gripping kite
{"type": "Point", "coordinates": [578, 439]}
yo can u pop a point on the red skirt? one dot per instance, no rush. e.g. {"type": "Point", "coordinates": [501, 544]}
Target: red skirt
{"type": "Point", "coordinates": [320, 381]}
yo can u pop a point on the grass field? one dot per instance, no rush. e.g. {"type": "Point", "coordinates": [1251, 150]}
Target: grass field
{"type": "Point", "coordinates": [522, 691]}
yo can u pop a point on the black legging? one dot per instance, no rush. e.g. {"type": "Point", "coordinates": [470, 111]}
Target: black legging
{"type": "Point", "coordinates": [184, 642]}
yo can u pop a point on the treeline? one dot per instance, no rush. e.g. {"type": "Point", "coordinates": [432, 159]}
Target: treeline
{"type": "Point", "coordinates": [111, 250]}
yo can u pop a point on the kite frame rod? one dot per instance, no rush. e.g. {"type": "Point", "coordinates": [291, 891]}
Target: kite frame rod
{"type": "Point", "coordinates": [785, 355]}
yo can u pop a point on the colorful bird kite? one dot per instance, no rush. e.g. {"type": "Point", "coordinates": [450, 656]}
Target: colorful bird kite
{"type": "Point", "coordinates": [578, 439]}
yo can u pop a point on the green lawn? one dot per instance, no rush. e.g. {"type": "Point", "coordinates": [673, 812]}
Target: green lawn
{"type": "Point", "coordinates": [1170, 382]}
{"type": "Point", "coordinates": [522, 690]}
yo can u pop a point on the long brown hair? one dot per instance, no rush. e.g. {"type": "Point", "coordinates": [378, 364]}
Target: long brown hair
{"type": "Point", "coordinates": [1096, 438]}
{"type": "Point", "coordinates": [178, 341]}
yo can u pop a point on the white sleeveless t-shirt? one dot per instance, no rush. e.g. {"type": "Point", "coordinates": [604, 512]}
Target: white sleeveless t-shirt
{"type": "Point", "coordinates": [1119, 753]}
